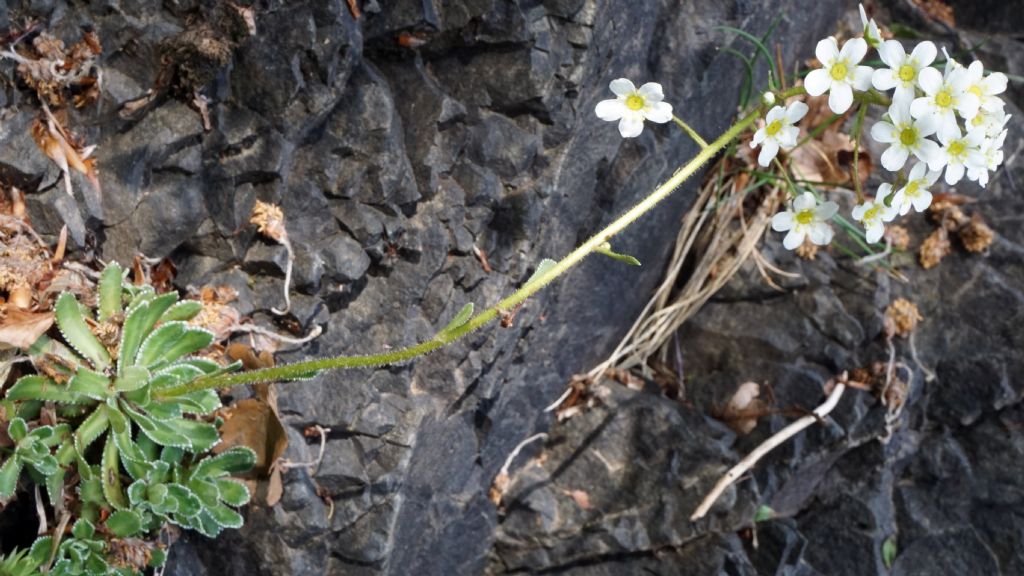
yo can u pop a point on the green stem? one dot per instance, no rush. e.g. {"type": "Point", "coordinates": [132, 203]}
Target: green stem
{"type": "Point", "coordinates": [857, 125]}
{"type": "Point", "coordinates": [300, 369]}
{"type": "Point", "coordinates": [690, 132]}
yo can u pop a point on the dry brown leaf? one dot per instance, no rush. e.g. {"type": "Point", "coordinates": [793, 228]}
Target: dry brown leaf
{"type": "Point", "coordinates": [21, 328]}
{"type": "Point", "coordinates": [275, 487]}
{"type": "Point", "coordinates": [254, 423]}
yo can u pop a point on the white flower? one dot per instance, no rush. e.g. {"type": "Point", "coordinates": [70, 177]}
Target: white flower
{"type": "Point", "coordinates": [806, 219]}
{"type": "Point", "coordinates": [768, 98]}
{"type": "Point", "coordinates": [992, 123]}
{"type": "Point", "coordinates": [986, 88]}
{"type": "Point", "coordinates": [873, 214]}
{"type": "Point", "coordinates": [903, 68]}
{"type": "Point", "coordinates": [915, 193]}
{"type": "Point", "coordinates": [957, 152]}
{"type": "Point", "coordinates": [871, 33]}
{"type": "Point", "coordinates": [778, 131]}
{"type": "Point", "coordinates": [906, 136]}
{"type": "Point", "coordinates": [945, 93]}
{"type": "Point", "coordinates": [839, 74]}
{"type": "Point", "coordinates": [632, 106]}
{"type": "Point", "coordinates": [990, 158]}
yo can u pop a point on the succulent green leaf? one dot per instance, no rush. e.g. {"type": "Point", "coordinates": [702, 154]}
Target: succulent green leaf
{"type": "Point", "coordinates": [17, 429]}
{"type": "Point", "coordinates": [132, 458]}
{"type": "Point", "coordinates": [36, 387]}
{"type": "Point", "coordinates": [889, 551]}
{"type": "Point", "coordinates": [234, 461]}
{"type": "Point", "coordinates": [459, 320]}
{"type": "Point", "coordinates": [201, 436]}
{"type": "Point", "coordinates": [157, 431]}
{"type": "Point", "coordinates": [182, 311]}
{"type": "Point", "coordinates": [45, 346]}
{"type": "Point", "coordinates": [72, 325]}
{"type": "Point", "coordinates": [9, 473]}
{"type": "Point", "coordinates": [124, 523]}
{"type": "Point", "coordinates": [157, 558]}
{"type": "Point", "coordinates": [90, 384]}
{"type": "Point", "coordinates": [171, 341]}
{"type": "Point", "coordinates": [118, 422]}
{"type": "Point", "coordinates": [207, 525]}
{"type": "Point", "coordinates": [83, 530]}
{"type": "Point", "coordinates": [188, 504]}
{"type": "Point", "coordinates": [110, 291]}
{"type": "Point", "coordinates": [47, 465]}
{"type": "Point", "coordinates": [110, 476]}
{"type": "Point", "coordinates": [225, 517]}
{"type": "Point", "coordinates": [206, 490]}
{"type": "Point", "coordinates": [139, 323]}
{"type": "Point", "coordinates": [765, 512]}
{"type": "Point", "coordinates": [201, 403]}
{"type": "Point", "coordinates": [209, 367]}
{"type": "Point", "coordinates": [233, 492]}
{"type": "Point", "coordinates": [163, 411]}
{"type": "Point", "coordinates": [542, 268]}
{"type": "Point", "coordinates": [131, 378]}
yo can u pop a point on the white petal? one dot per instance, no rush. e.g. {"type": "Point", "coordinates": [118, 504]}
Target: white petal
{"type": "Point", "coordinates": [820, 234]}
{"type": "Point", "coordinates": [891, 52]}
{"type": "Point", "coordinates": [859, 210]}
{"type": "Point", "coordinates": [782, 221]}
{"type": "Point", "coordinates": [840, 98]}
{"type": "Point", "coordinates": [862, 78]}
{"type": "Point", "coordinates": [922, 201]}
{"type": "Point", "coordinates": [795, 112]}
{"type": "Point", "coordinates": [794, 239]}
{"type": "Point", "coordinates": [883, 79]}
{"type": "Point", "coordinates": [883, 132]}
{"type": "Point", "coordinates": [769, 148]}
{"type": "Point", "coordinates": [610, 110]}
{"type": "Point", "coordinates": [788, 136]}
{"type": "Point", "coordinates": [622, 87]}
{"type": "Point", "coordinates": [928, 152]}
{"type": "Point", "coordinates": [921, 107]}
{"type": "Point", "coordinates": [659, 112]}
{"type": "Point", "coordinates": [917, 172]}
{"type": "Point", "coordinates": [651, 92]}
{"type": "Point", "coordinates": [894, 158]}
{"type": "Point", "coordinates": [899, 113]}
{"type": "Point", "coordinates": [826, 211]}
{"type": "Point", "coordinates": [927, 125]}
{"type": "Point", "coordinates": [948, 129]}
{"type": "Point", "coordinates": [827, 51]}
{"type": "Point", "coordinates": [939, 162]}
{"type": "Point", "coordinates": [804, 201]}
{"type": "Point", "coordinates": [817, 82]}
{"type": "Point", "coordinates": [854, 50]}
{"type": "Point", "coordinates": [631, 126]}
{"type": "Point", "coordinates": [776, 113]}
{"type": "Point", "coordinates": [904, 95]}
{"type": "Point", "coordinates": [873, 233]}
{"type": "Point", "coordinates": [954, 172]}
{"type": "Point", "coordinates": [933, 175]}
{"type": "Point", "coordinates": [924, 53]}
{"type": "Point", "coordinates": [994, 83]}
{"type": "Point", "coordinates": [930, 80]}
{"type": "Point", "coordinates": [968, 106]}
{"type": "Point", "coordinates": [759, 137]}
{"type": "Point", "coordinates": [883, 190]}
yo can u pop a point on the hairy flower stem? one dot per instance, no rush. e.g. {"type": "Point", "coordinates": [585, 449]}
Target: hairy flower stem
{"type": "Point", "coordinates": [300, 369]}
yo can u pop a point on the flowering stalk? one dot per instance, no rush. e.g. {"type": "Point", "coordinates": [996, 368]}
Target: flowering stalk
{"type": "Point", "coordinates": [305, 368]}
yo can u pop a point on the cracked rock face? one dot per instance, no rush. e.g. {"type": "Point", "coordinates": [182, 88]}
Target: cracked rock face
{"type": "Point", "coordinates": [401, 144]}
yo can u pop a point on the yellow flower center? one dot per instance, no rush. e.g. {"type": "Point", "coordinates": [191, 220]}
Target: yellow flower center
{"type": "Point", "coordinates": [944, 99]}
{"type": "Point", "coordinates": [978, 119]}
{"type": "Point", "coordinates": [871, 213]}
{"type": "Point", "coordinates": [635, 102]}
{"type": "Point", "coordinates": [839, 71]}
{"type": "Point", "coordinates": [956, 149]}
{"type": "Point", "coordinates": [913, 188]}
{"type": "Point", "coordinates": [908, 136]}
{"type": "Point", "coordinates": [805, 217]}
{"type": "Point", "coordinates": [976, 90]}
{"type": "Point", "coordinates": [774, 128]}
{"type": "Point", "coordinates": [907, 73]}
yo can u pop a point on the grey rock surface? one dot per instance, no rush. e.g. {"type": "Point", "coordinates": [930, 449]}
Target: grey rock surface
{"type": "Point", "coordinates": [399, 142]}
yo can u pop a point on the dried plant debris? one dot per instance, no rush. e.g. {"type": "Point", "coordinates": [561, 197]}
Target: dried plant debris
{"type": "Point", "coordinates": [937, 10]}
{"type": "Point", "coordinates": [744, 408]}
{"type": "Point", "coordinates": [60, 75]}
{"type": "Point", "coordinates": [66, 150]}
{"type": "Point", "coordinates": [935, 248]}
{"type": "Point", "coordinates": [269, 221]}
{"type": "Point", "coordinates": [898, 236]}
{"type": "Point", "coordinates": [976, 235]}
{"type": "Point", "coordinates": [901, 318]}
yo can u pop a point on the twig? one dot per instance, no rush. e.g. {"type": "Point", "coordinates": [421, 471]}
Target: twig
{"type": "Point", "coordinates": [253, 329]}
{"type": "Point", "coordinates": [58, 535]}
{"type": "Point", "coordinates": [929, 376]}
{"type": "Point", "coordinates": [554, 405]}
{"type": "Point", "coordinates": [287, 277]}
{"type": "Point", "coordinates": [519, 448]}
{"type": "Point", "coordinates": [40, 512]}
{"type": "Point", "coordinates": [767, 446]}
{"type": "Point", "coordinates": [876, 257]}
{"type": "Point", "coordinates": [288, 464]}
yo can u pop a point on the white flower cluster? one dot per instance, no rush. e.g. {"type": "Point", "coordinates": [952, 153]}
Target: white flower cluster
{"type": "Point", "coordinates": [959, 107]}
